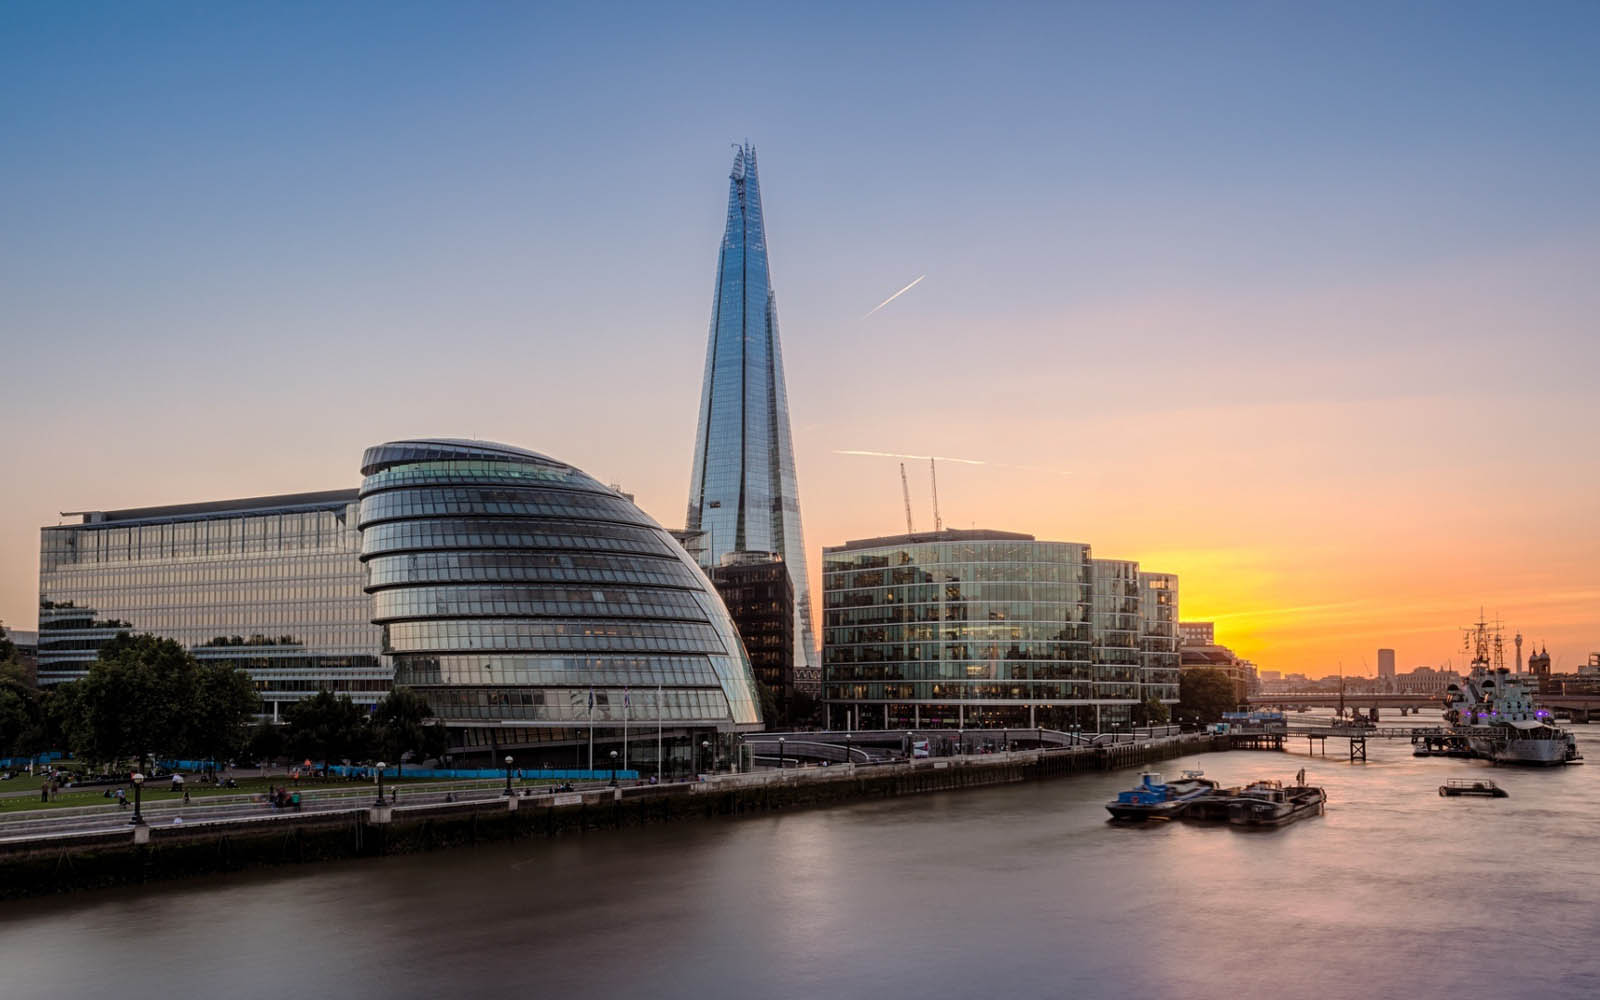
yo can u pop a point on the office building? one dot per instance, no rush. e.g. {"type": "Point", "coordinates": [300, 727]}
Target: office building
{"type": "Point", "coordinates": [1159, 659]}
{"type": "Point", "coordinates": [759, 595]}
{"type": "Point", "coordinates": [536, 609]}
{"type": "Point", "coordinates": [1199, 650]}
{"type": "Point", "coordinates": [1385, 670]}
{"type": "Point", "coordinates": [968, 629]}
{"type": "Point", "coordinates": [742, 489]}
{"type": "Point", "coordinates": [270, 585]}
{"type": "Point", "coordinates": [1116, 623]}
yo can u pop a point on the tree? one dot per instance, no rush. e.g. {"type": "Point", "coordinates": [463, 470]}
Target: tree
{"type": "Point", "coordinates": [19, 714]}
{"type": "Point", "coordinates": [224, 701]}
{"type": "Point", "coordinates": [1151, 712]}
{"type": "Point", "coordinates": [8, 649]}
{"type": "Point", "coordinates": [1205, 694]}
{"type": "Point", "coordinates": [326, 728]}
{"type": "Point", "coordinates": [400, 724]}
{"type": "Point", "coordinates": [137, 699]}
{"type": "Point", "coordinates": [266, 741]}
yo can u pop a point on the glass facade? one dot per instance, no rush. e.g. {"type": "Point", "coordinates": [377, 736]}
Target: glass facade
{"type": "Point", "coordinates": [271, 585]}
{"type": "Point", "coordinates": [1158, 635]}
{"type": "Point", "coordinates": [983, 629]}
{"type": "Point", "coordinates": [743, 494]}
{"type": "Point", "coordinates": [528, 603]}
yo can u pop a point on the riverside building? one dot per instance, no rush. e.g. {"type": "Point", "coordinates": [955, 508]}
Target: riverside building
{"type": "Point", "coordinates": [270, 585]}
{"type": "Point", "coordinates": [759, 596]}
{"type": "Point", "coordinates": [991, 629]}
{"type": "Point", "coordinates": [545, 615]}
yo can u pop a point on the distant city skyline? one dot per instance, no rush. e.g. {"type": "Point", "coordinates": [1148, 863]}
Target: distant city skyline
{"type": "Point", "coordinates": [1300, 299]}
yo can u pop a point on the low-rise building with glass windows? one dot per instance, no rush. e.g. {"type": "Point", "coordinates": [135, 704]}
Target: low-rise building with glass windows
{"type": "Point", "coordinates": [538, 611]}
{"type": "Point", "coordinates": [271, 585]}
{"type": "Point", "coordinates": [982, 629]}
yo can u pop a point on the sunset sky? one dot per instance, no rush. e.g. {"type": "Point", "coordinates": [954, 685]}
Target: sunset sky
{"type": "Point", "coordinates": [1297, 301]}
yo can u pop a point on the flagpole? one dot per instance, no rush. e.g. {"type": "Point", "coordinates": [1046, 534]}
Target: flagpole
{"type": "Point", "coordinates": [627, 710]}
{"type": "Point", "coordinates": [591, 731]}
{"type": "Point", "coordinates": [659, 763]}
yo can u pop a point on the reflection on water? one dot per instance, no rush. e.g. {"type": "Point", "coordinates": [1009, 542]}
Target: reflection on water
{"type": "Point", "coordinates": [1021, 890]}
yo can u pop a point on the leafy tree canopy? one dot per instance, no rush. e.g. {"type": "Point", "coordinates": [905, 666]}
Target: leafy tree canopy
{"type": "Point", "coordinates": [1205, 694]}
{"type": "Point", "coordinates": [400, 725]}
{"type": "Point", "coordinates": [327, 728]}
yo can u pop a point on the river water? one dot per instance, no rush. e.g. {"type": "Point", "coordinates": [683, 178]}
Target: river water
{"type": "Point", "coordinates": [1021, 890]}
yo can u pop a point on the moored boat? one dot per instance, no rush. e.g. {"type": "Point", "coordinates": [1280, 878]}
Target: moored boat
{"type": "Point", "coordinates": [1152, 798]}
{"type": "Point", "coordinates": [1472, 786]}
{"type": "Point", "coordinates": [1270, 803]}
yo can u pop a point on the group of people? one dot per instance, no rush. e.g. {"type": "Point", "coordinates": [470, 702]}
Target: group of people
{"type": "Point", "coordinates": [283, 798]}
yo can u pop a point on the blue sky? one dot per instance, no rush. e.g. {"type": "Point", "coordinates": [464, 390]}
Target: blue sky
{"type": "Point", "coordinates": [289, 231]}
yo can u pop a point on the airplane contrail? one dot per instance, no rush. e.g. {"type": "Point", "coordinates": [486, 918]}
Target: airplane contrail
{"type": "Point", "coordinates": [947, 458]}
{"type": "Point", "coordinates": [896, 295]}
{"type": "Point", "coordinates": [920, 458]}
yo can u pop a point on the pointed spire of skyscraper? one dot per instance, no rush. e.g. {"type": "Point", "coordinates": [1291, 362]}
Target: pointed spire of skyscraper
{"type": "Point", "coordinates": [742, 492]}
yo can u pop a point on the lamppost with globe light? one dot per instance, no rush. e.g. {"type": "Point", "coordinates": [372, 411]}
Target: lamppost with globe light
{"type": "Point", "coordinates": [508, 762]}
{"type": "Point", "coordinates": [613, 769]}
{"type": "Point", "coordinates": [138, 783]}
{"type": "Point", "coordinates": [781, 763]}
{"type": "Point", "coordinates": [711, 762]}
{"type": "Point", "coordinates": [380, 801]}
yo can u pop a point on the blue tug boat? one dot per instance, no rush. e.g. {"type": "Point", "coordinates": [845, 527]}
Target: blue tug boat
{"type": "Point", "coordinates": [1152, 798]}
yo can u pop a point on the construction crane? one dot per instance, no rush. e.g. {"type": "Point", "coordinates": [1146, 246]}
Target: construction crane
{"type": "Point", "coordinates": [905, 489]}
{"type": "Point", "coordinates": [933, 473]}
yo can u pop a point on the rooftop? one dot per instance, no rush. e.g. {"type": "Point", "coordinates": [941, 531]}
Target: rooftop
{"type": "Point", "coordinates": [329, 499]}
{"type": "Point", "coordinates": [948, 535]}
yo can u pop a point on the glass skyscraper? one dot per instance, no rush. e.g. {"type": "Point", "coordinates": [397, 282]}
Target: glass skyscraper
{"type": "Point", "coordinates": [529, 605]}
{"type": "Point", "coordinates": [742, 494]}
{"type": "Point", "coordinates": [270, 585]}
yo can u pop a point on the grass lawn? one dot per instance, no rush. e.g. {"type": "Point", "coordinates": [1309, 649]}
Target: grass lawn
{"type": "Point", "coordinates": [160, 790]}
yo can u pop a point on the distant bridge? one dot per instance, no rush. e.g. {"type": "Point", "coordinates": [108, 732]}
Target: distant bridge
{"type": "Point", "coordinates": [1332, 699]}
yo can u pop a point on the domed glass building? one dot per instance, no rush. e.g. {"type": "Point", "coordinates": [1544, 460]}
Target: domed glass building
{"type": "Point", "coordinates": [540, 612]}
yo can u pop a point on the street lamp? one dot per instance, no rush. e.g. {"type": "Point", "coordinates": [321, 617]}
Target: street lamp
{"type": "Point", "coordinates": [379, 801]}
{"type": "Point", "coordinates": [711, 762]}
{"type": "Point", "coordinates": [781, 764]}
{"type": "Point", "coordinates": [508, 775]}
{"type": "Point", "coordinates": [613, 769]}
{"type": "Point", "coordinates": [138, 783]}
{"type": "Point", "coordinates": [847, 759]}
{"type": "Point", "coordinates": [961, 734]}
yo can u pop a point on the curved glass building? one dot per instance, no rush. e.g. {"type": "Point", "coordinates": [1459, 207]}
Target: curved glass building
{"type": "Point", "coordinates": [534, 607]}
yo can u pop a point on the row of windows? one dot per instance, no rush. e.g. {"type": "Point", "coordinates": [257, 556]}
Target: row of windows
{"type": "Point", "coordinates": [948, 691]}
{"type": "Point", "coordinates": [984, 632]}
{"type": "Point", "coordinates": [132, 599]}
{"type": "Point", "coordinates": [531, 567]}
{"type": "Point", "coordinates": [1009, 572]}
{"type": "Point", "coordinates": [466, 602]}
{"type": "Point", "coordinates": [556, 635]}
{"type": "Point", "coordinates": [488, 534]}
{"type": "Point", "coordinates": [209, 569]}
{"type": "Point", "coordinates": [1062, 593]}
{"type": "Point", "coordinates": [1057, 614]}
{"type": "Point", "coordinates": [636, 671]}
{"type": "Point", "coordinates": [486, 502]}
{"type": "Point", "coordinates": [287, 532]}
{"type": "Point", "coordinates": [572, 705]}
{"type": "Point", "coordinates": [973, 672]}
{"type": "Point", "coordinates": [472, 472]}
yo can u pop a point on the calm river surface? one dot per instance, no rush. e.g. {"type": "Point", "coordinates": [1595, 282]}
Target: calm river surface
{"type": "Point", "coordinates": [1015, 891]}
